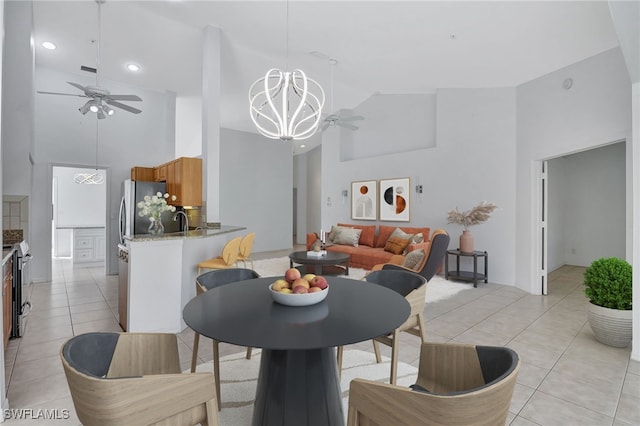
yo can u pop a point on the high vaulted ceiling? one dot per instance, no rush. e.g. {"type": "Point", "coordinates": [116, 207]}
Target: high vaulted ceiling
{"type": "Point", "coordinates": [380, 46]}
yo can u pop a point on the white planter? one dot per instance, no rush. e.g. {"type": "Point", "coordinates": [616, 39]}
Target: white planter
{"type": "Point", "coordinates": [610, 326]}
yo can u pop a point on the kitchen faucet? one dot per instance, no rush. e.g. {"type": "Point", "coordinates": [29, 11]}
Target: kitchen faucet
{"type": "Point", "coordinates": [186, 219]}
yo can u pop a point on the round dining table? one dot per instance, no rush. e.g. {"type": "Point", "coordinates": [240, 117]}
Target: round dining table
{"type": "Point", "coordinates": [298, 382]}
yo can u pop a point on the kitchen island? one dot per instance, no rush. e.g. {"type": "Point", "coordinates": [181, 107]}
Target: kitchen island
{"type": "Point", "coordinates": [162, 270]}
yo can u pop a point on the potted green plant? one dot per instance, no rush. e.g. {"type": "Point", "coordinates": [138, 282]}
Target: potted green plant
{"type": "Point", "coordinates": [608, 286]}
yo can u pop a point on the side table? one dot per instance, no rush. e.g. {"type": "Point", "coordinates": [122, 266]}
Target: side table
{"type": "Point", "coordinates": [474, 275]}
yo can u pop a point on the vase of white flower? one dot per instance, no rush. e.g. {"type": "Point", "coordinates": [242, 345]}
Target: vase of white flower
{"type": "Point", "coordinates": [155, 225]}
{"type": "Point", "coordinates": [153, 206]}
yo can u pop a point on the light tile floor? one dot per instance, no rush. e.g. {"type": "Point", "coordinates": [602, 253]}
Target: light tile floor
{"type": "Point", "coordinates": [567, 378]}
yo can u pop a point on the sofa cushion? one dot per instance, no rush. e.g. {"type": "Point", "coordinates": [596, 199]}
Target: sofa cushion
{"type": "Point", "coordinates": [348, 237]}
{"type": "Point", "coordinates": [363, 256]}
{"type": "Point", "coordinates": [385, 232]}
{"type": "Point", "coordinates": [396, 245]}
{"type": "Point", "coordinates": [368, 233]}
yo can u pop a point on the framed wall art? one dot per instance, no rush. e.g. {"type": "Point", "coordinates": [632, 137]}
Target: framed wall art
{"type": "Point", "coordinates": [364, 200]}
{"type": "Point", "coordinates": [395, 199]}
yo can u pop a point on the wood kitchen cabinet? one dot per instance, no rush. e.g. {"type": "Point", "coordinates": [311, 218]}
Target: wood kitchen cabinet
{"type": "Point", "coordinates": [160, 173]}
{"type": "Point", "coordinates": [184, 180]}
{"type": "Point", "coordinates": [145, 174]}
{"type": "Point", "coordinates": [7, 274]}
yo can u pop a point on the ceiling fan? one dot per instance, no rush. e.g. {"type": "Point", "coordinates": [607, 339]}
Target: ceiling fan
{"type": "Point", "coordinates": [335, 119]}
{"type": "Point", "coordinates": [100, 99]}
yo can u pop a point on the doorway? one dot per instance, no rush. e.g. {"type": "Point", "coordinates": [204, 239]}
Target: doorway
{"type": "Point", "coordinates": [582, 199]}
{"type": "Point", "coordinates": [78, 225]}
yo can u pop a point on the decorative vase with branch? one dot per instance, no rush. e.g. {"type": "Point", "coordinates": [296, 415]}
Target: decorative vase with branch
{"type": "Point", "coordinates": [475, 216]}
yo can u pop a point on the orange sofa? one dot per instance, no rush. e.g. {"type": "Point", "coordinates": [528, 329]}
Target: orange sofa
{"type": "Point", "coordinates": [371, 245]}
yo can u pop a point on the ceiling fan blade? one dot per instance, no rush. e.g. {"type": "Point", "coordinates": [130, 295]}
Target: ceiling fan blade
{"type": "Point", "coordinates": [352, 118]}
{"type": "Point", "coordinates": [77, 86]}
{"type": "Point", "coordinates": [124, 97]}
{"type": "Point", "coordinates": [64, 94]}
{"type": "Point", "coordinates": [348, 126]}
{"type": "Point", "coordinates": [123, 106]}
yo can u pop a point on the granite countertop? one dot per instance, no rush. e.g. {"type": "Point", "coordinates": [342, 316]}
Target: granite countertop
{"type": "Point", "coordinates": [200, 233]}
{"type": "Point", "coordinates": [6, 254]}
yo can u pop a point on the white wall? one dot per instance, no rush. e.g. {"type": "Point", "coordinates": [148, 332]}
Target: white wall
{"type": "Point", "coordinates": [401, 123]}
{"type": "Point", "coordinates": [300, 184]}
{"type": "Point", "coordinates": [473, 160]}
{"type": "Point", "coordinates": [78, 205]}
{"type": "Point", "coordinates": [552, 121]}
{"type": "Point", "coordinates": [314, 189]}
{"type": "Point", "coordinates": [587, 206]}
{"type": "Point", "coordinates": [256, 189]}
{"type": "Point", "coordinates": [4, 403]}
{"type": "Point", "coordinates": [17, 99]}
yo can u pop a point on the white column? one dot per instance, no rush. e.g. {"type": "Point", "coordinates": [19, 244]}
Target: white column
{"type": "Point", "coordinates": [211, 122]}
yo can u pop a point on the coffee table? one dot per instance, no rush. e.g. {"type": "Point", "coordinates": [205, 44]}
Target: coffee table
{"type": "Point", "coordinates": [298, 383]}
{"type": "Point", "coordinates": [332, 263]}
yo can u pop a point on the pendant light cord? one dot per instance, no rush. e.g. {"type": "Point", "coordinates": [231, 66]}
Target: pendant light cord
{"type": "Point", "coordinates": [97, 70]}
{"type": "Point", "coordinates": [286, 61]}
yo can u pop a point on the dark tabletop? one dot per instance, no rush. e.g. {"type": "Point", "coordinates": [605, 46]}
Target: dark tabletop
{"type": "Point", "coordinates": [329, 258]}
{"type": "Point", "coordinates": [244, 314]}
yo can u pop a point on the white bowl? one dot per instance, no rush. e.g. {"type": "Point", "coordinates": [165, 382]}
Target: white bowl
{"type": "Point", "coordinates": [304, 299]}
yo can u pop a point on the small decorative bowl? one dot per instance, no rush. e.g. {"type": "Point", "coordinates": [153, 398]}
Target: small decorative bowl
{"type": "Point", "coordinates": [304, 299]}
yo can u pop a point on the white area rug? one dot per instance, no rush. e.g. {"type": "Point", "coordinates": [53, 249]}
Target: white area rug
{"type": "Point", "coordinates": [239, 379]}
{"type": "Point", "coordinates": [437, 289]}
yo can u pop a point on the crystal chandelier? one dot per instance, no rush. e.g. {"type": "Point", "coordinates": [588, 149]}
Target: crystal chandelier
{"type": "Point", "coordinates": [286, 104]}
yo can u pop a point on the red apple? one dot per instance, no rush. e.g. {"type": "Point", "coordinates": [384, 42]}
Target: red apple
{"type": "Point", "coordinates": [314, 289]}
{"type": "Point", "coordinates": [300, 290]}
{"type": "Point", "coordinates": [300, 282]}
{"type": "Point", "coordinates": [291, 275]}
{"type": "Point", "coordinates": [320, 281]}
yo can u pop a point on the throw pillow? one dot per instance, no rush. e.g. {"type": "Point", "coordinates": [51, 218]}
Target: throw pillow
{"type": "Point", "coordinates": [396, 245]}
{"type": "Point", "coordinates": [334, 232]}
{"type": "Point", "coordinates": [417, 238]}
{"type": "Point", "coordinates": [401, 234]}
{"type": "Point", "coordinates": [413, 259]}
{"type": "Point", "coordinates": [348, 236]}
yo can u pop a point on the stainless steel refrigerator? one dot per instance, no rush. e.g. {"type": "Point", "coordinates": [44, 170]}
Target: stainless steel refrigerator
{"type": "Point", "coordinates": [130, 222]}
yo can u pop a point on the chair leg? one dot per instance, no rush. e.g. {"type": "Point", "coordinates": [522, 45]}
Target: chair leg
{"type": "Point", "coordinates": [394, 358]}
{"type": "Point", "coordinates": [194, 356]}
{"type": "Point", "coordinates": [339, 351]}
{"type": "Point", "coordinates": [216, 370]}
{"type": "Point", "coordinates": [249, 352]}
{"type": "Point", "coordinates": [212, 417]}
{"type": "Point", "coordinates": [376, 350]}
{"type": "Point", "coordinates": [423, 331]}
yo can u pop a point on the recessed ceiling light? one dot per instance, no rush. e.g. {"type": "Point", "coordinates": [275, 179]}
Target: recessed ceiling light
{"type": "Point", "coordinates": [303, 146]}
{"type": "Point", "coordinates": [48, 45]}
{"type": "Point", "coordinates": [133, 67]}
